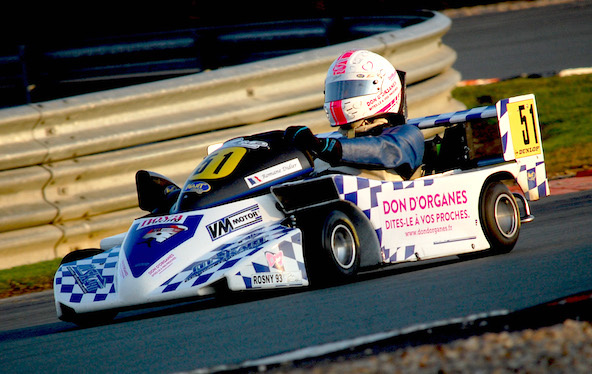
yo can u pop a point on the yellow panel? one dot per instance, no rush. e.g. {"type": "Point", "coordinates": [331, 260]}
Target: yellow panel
{"type": "Point", "coordinates": [525, 128]}
{"type": "Point", "coordinates": [220, 163]}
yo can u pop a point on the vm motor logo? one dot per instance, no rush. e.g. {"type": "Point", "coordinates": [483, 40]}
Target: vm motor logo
{"type": "Point", "coordinates": [234, 222]}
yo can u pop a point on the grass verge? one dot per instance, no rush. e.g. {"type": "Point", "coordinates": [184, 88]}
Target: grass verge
{"type": "Point", "coordinates": [565, 115]}
{"type": "Point", "coordinates": [28, 278]}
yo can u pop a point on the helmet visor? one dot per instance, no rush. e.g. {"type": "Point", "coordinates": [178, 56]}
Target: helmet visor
{"type": "Point", "coordinates": [340, 90]}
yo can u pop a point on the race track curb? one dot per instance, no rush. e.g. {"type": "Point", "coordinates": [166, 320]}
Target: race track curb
{"type": "Point", "coordinates": [581, 182]}
{"type": "Point", "coordinates": [560, 73]}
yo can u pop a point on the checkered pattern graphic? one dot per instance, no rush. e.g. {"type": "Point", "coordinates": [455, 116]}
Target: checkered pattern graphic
{"type": "Point", "coordinates": [89, 280]}
{"type": "Point", "coordinates": [363, 193]}
{"type": "Point", "coordinates": [505, 128]}
{"type": "Point", "coordinates": [398, 254]}
{"type": "Point", "coordinates": [283, 261]}
{"type": "Point", "coordinates": [535, 178]}
{"type": "Point", "coordinates": [453, 117]}
{"type": "Point", "coordinates": [217, 263]}
{"type": "Point", "coordinates": [532, 177]}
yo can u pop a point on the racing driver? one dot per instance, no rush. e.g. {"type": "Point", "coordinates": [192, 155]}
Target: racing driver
{"type": "Point", "coordinates": [365, 98]}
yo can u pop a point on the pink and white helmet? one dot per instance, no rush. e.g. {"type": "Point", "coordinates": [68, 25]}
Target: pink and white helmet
{"type": "Point", "coordinates": [361, 84]}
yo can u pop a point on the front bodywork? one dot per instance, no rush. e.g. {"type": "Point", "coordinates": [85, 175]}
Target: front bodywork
{"type": "Point", "coordinates": [183, 255]}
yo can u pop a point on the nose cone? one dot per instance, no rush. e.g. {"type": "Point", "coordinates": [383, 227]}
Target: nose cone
{"type": "Point", "coordinates": [150, 241]}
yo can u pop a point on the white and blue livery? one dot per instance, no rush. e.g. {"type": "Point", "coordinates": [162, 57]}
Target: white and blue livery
{"type": "Point", "coordinates": [255, 214]}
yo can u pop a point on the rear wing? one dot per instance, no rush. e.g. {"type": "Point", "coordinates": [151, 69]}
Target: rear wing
{"type": "Point", "coordinates": [520, 134]}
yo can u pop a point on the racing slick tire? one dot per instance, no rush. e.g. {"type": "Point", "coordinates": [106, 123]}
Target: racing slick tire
{"type": "Point", "coordinates": [500, 217]}
{"type": "Point", "coordinates": [341, 243]}
{"type": "Point", "coordinates": [80, 255]}
{"type": "Point", "coordinates": [88, 319]}
{"type": "Point", "coordinates": [337, 258]}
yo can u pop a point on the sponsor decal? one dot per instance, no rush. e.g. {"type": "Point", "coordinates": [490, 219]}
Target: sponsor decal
{"type": "Point", "coordinates": [276, 260]}
{"type": "Point", "coordinates": [251, 144]}
{"type": "Point", "coordinates": [341, 63]}
{"type": "Point", "coordinates": [161, 220]}
{"type": "Point", "coordinates": [87, 277]}
{"type": "Point", "coordinates": [123, 272]}
{"type": "Point", "coordinates": [385, 95]}
{"type": "Point", "coordinates": [198, 187]}
{"type": "Point", "coordinates": [234, 222]}
{"type": "Point", "coordinates": [161, 234]}
{"type": "Point", "coordinates": [422, 202]}
{"type": "Point", "coordinates": [273, 173]}
{"type": "Point", "coordinates": [425, 214]}
{"type": "Point", "coordinates": [531, 175]}
{"type": "Point", "coordinates": [162, 265]}
{"type": "Point", "coordinates": [249, 243]}
{"type": "Point", "coordinates": [170, 189]}
{"type": "Point", "coordinates": [425, 209]}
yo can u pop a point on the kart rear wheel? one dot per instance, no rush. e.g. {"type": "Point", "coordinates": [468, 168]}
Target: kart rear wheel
{"type": "Point", "coordinates": [500, 218]}
{"type": "Point", "coordinates": [338, 258]}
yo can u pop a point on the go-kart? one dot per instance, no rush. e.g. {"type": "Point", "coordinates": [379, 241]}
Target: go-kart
{"type": "Point", "coordinates": [255, 214]}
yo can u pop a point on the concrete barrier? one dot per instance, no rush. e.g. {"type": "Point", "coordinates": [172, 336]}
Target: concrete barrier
{"type": "Point", "coordinates": [67, 175]}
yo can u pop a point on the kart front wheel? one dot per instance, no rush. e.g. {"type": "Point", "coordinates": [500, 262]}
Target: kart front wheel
{"type": "Point", "coordinates": [87, 319]}
{"type": "Point", "coordinates": [501, 218]}
{"type": "Point", "coordinates": [80, 254]}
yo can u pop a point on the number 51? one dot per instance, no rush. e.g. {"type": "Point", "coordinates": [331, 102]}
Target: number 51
{"type": "Point", "coordinates": [524, 121]}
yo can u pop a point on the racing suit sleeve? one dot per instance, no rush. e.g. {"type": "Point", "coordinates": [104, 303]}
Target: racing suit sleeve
{"type": "Point", "coordinates": [399, 147]}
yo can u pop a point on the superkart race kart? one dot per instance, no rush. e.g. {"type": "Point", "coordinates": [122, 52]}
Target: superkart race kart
{"type": "Point", "coordinates": [255, 215]}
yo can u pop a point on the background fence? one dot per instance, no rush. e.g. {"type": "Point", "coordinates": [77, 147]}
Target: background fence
{"type": "Point", "coordinates": [68, 165]}
{"type": "Point", "coordinates": [55, 65]}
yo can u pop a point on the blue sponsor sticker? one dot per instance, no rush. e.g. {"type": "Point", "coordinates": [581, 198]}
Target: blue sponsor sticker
{"type": "Point", "coordinates": [198, 187]}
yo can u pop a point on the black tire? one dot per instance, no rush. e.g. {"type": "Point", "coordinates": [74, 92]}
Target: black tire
{"type": "Point", "coordinates": [332, 249]}
{"type": "Point", "coordinates": [88, 319]}
{"type": "Point", "coordinates": [80, 255]}
{"type": "Point", "coordinates": [500, 217]}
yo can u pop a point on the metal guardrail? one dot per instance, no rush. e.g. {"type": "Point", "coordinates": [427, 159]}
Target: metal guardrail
{"type": "Point", "coordinates": [68, 165]}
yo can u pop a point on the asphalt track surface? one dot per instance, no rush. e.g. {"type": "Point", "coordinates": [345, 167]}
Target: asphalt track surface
{"type": "Point", "coordinates": [537, 40]}
{"type": "Point", "coordinates": [552, 259]}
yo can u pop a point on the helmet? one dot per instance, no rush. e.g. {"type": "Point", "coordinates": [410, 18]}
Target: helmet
{"type": "Point", "coordinates": [361, 84]}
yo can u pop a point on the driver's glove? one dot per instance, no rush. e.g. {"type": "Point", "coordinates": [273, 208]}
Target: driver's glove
{"type": "Point", "coordinates": [326, 149]}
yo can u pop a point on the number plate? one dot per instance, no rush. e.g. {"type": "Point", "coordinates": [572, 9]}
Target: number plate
{"type": "Point", "coordinates": [524, 126]}
{"type": "Point", "coordinates": [220, 163]}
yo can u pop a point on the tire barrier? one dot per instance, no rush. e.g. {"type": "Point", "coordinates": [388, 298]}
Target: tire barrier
{"type": "Point", "coordinates": [67, 167]}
